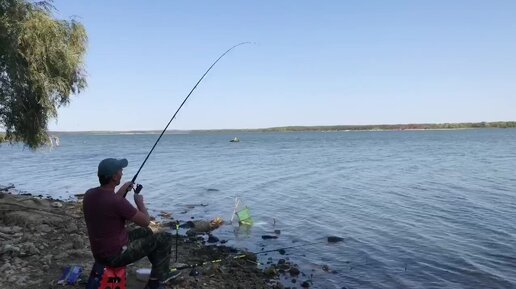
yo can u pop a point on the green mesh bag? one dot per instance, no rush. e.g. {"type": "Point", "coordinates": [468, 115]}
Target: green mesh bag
{"type": "Point", "coordinates": [244, 216]}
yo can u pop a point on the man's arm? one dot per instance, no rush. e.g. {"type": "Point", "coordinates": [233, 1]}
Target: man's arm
{"type": "Point", "coordinates": [141, 218]}
{"type": "Point", "coordinates": [124, 189]}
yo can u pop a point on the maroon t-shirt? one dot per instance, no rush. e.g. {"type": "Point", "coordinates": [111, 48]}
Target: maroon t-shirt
{"type": "Point", "coordinates": [105, 214]}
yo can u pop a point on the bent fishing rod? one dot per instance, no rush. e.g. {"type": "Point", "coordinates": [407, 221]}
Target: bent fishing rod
{"type": "Point", "coordinates": [137, 190]}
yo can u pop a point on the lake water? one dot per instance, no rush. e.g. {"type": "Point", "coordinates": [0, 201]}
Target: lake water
{"type": "Point", "coordinates": [417, 209]}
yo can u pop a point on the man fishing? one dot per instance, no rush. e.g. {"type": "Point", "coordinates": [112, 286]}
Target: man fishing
{"type": "Point", "coordinates": [106, 213]}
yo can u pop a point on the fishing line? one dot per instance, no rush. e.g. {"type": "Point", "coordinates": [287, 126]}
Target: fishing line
{"type": "Point", "coordinates": [202, 77]}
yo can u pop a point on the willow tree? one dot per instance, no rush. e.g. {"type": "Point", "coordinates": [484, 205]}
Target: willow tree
{"type": "Point", "coordinates": [41, 66]}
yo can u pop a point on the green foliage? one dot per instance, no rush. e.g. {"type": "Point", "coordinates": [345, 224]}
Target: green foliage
{"type": "Point", "coordinates": [41, 65]}
{"type": "Point", "coordinates": [423, 126]}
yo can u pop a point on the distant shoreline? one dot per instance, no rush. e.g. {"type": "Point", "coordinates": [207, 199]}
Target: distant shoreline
{"type": "Point", "coordinates": [330, 128]}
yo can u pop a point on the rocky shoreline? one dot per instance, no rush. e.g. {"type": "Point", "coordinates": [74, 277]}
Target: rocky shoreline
{"type": "Point", "coordinates": [40, 236]}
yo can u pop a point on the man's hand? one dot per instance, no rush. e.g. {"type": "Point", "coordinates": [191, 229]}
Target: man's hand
{"type": "Point", "coordinates": [124, 189]}
{"type": "Point", "coordinates": [138, 200]}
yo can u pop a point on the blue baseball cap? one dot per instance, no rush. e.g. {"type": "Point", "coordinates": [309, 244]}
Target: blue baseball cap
{"type": "Point", "coordinates": [108, 167]}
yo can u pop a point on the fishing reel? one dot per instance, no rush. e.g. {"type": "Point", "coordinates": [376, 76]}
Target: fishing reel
{"type": "Point", "coordinates": [138, 188]}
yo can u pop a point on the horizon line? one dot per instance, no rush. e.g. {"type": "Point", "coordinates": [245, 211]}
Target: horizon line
{"type": "Point", "coordinates": [281, 127]}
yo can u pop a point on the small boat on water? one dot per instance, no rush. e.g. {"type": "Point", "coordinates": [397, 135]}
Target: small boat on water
{"type": "Point", "coordinates": [235, 139]}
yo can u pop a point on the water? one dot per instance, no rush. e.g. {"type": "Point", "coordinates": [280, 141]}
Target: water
{"type": "Point", "coordinates": [417, 209]}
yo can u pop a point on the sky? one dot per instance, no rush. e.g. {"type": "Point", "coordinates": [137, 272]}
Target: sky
{"type": "Point", "coordinates": [310, 63]}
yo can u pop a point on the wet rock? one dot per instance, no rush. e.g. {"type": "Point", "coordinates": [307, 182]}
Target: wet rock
{"type": "Point", "coordinates": [334, 239]}
{"type": "Point", "coordinates": [266, 237]}
{"type": "Point", "coordinates": [294, 271]}
{"type": "Point", "coordinates": [277, 232]}
{"type": "Point", "coordinates": [325, 268]}
{"type": "Point", "coordinates": [282, 251]}
{"type": "Point", "coordinates": [293, 280]}
{"type": "Point", "coordinates": [271, 271]}
{"type": "Point", "coordinates": [305, 284]}
{"type": "Point", "coordinates": [212, 239]}
{"type": "Point", "coordinates": [281, 261]}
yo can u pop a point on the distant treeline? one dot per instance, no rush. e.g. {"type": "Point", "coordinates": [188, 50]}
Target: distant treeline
{"type": "Point", "coordinates": [419, 126]}
{"type": "Point", "coordinates": [376, 127]}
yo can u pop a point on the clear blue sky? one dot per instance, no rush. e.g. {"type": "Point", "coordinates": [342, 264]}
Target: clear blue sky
{"type": "Point", "coordinates": [314, 63]}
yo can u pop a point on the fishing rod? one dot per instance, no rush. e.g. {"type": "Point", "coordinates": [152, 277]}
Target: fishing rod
{"type": "Point", "coordinates": [329, 239]}
{"type": "Point", "coordinates": [199, 81]}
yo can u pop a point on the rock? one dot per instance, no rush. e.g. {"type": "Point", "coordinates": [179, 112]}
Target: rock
{"type": "Point", "coordinates": [11, 278]}
{"type": "Point", "coordinates": [57, 204]}
{"type": "Point", "coordinates": [5, 267]}
{"type": "Point", "coordinates": [47, 259]}
{"type": "Point", "coordinates": [61, 255]}
{"type": "Point", "coordinates": [271, 271]}
{"type": "Point", "coordinates": [294, 271]}
{"type": "Point", "coordinates": [325, 268]}
{"type": "Point", "coordinates": [281, 261]}
{"type": "Point", "coordinates": [265, 237]}
{"type": "Point", "coordinates": [334, 239]}
{"type": "Point", "coordinates": [10, 249]}
{"type": "Point", "coordinates": [77, 241]}
{"type": "Point", "coordinates": [30, 249]}
{"type": "Point", "coordinates": [282, 251]}
{"type": "Point", "coordinates": [10, 230]}
{"type": "Point", "coordinates": [305, 284]}
{"type": "Point", "coordinates": [44, 228]}
{"type": "Point", "coordinates": [212, 239]}
{"type": "Point", "coordinates": [66, 246]}
{"type": "Point", "coordinates": [71, 228]}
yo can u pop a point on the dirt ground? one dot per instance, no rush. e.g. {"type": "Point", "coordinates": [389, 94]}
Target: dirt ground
{"type": "Point", "coordinates": [39, 237]}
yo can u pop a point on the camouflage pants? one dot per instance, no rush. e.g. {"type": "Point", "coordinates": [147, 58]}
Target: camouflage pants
{"type": "Point", "coordinates": [143, 242]}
